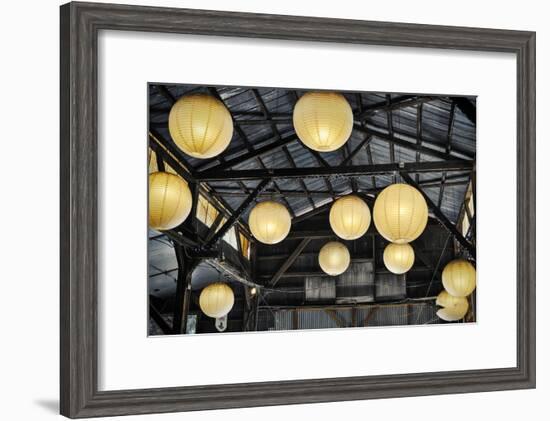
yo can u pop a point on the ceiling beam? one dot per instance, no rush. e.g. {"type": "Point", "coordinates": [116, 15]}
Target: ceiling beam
{"type": "Point", "coordinates": [289, 262]}
{"type": "Point", "coordinates": [233, 192]}
{"type": "Point", "coordinates": [162, 148]}
{"type": "Point", "coordinates": [163, 90]}
{"type": "Point", "coordinates": [237, 214]}
{"type": "Point", "coordinates": [469, 247]}
{"type": "Point", "coordinates": [311, 234]}
{"type": "Point", "coordinates": [467, 107]}
{"type": "Point", "coordinates": [397, 103]}
{"type": "Point", "coordinates": [253, 154]}
{"type": "Point", "coordinates": [379, 132]}
{"type": "Point", "coordinates": [448, 151]}
{"type": "Point", "coordinates": [357, 170]}
{"type": "Point", "coordinates": [158, 319]}
{"type": "Point", "coordinates": [357, 149]}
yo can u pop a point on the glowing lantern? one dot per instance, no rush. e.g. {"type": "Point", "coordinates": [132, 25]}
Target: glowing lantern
{"type": "Point", "coordinates": [216, 300]}
{"type": "Point", "coordinates": [459, 278]}
{"type": "Point", "coordinates": [400, 213]}
{"type": "Point", "coordinates": [349, 217]}
{"type": "Point", "coordinates": [200, 125]}
{"type": "Point", "coordinates": [323, 120]}
{"type": "Point", "coordinates": [170, 201]}
{"type": "Point", "coordinates": [454, 308]}
{"type": "Point", "coordinates": [269, 222]}
{"type": "Point", "coordinates": [398, 258]}
{"type": "Point", "coordinates": [334, 258]}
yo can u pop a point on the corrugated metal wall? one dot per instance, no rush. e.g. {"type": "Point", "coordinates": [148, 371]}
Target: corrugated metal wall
{"type": "Point", "coordinates": [390, 286]}
{"type": "Point", "coordinates": [356, 285]}
{"type": "Point", "coordinates": [320, 289]}
{"type": "Point", "coordinates": [365, 316]}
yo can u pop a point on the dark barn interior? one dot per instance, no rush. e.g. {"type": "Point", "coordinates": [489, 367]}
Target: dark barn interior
{"type": "Point", "coordinates": [425, 141]}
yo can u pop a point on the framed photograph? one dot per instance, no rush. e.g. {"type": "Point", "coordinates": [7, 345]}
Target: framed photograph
{"type": "Point", "coordinates": [265, 210]}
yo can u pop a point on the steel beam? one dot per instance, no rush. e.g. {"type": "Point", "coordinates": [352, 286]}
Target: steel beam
{"type": "Point", "coordinates": [289, 261]}
{"type": "Point", "coordinates": [352, 154]}
{"type": "Point", "coordinates": [158, 319]}
{"type": "Point", "coordinates": [255, 153]}
{"type": "Point", "coordinates": [469, 247]}
{"type": "Point", "coordinates": [344, 171]}
{"type": "Point", "coordinates": [183, 290]}
{"type": "Point", "coordinates": [237, 214]}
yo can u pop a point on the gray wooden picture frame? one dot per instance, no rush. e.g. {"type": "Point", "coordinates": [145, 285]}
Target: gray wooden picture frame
{"type": "Point", "coordinates": [80, 24]}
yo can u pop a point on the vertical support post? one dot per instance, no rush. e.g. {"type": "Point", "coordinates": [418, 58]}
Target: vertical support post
{"type": "Point", "coordinates": [247, 308]}
{"type": "Point", "coordinates": [374, 267]}
{"type": "Point", "coordinates": [256, 310]}
{"type": "Point", "coordinates": [183, 290]}
{"type": "Point", "coordinates": [194, 187]}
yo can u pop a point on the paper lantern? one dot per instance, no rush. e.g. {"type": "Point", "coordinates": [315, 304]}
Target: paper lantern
{"type": "Point", "coordinates": [349, 217]}
{"type": "Point", "coordinates": [459, 278]}
{"type": "Point", "coordinates": [450, 315]}
{"type": "Point", "coordinates": [200, 125]}
{"type": "Point", "coordinates": [400, 213]}
{"type": "Point", "coordinates": [334, 258]}
{"type": "Point", "coordinates": [398, 258]}
{"type": "Point", "coordinates": [454, 308]}
{"type": "Point", "coordinates": [170, 201]}
{"type": "Point", "coordinates": [216, 300]}
{"type": "Point", "coordinates": [269, 222]}
{"type": "Point", "coordinates": [323, 120]}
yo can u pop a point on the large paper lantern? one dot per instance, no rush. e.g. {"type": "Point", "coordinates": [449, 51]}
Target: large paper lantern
{"type": "Point", "coordinates": [459, 278]}
{"type": "Point", "coordinates": [200, 125]}
{"type": "Point", "coordinates": [334, 258]}
{"type": "Point", "coordinates": [269, 222]}
{"type": "Point", "coordinates": [216, 300]}
{"type": "Point", "coordinates": [349, 217]}
{"type": "Point", "coordinates": [400, 213]}
{"type": "Point", "coordinates": [323, 120]}
{"type": "Point", "coordinates": [170, 201]}
{"type": "Point", "coordinates": [398, 258]}
{"type": "Point", "coordinates": [454, 308]}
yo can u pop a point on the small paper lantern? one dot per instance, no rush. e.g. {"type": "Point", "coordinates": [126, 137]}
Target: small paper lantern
{"type": "Point", "coordinates": [398, 258]}
{"type": "Point", "coordinates": [334, 258]}
{"type": "Point", "coordinates": [449, 315]}
{"type": "Point", "coordinates": [400, 213]}
{"type": "Point", "coordinates": [323, 120]}
{"type": "Point", "coordinates": [349, 217]}
{"type": "Point", "coordinates": [454, 308]}
{"type": "Point", "coordinates": [170, 201]}
{"type": "Point", "coordinates": [216, 300]}
{"type": "Point", "coordinates": [459, 278]}
{"type": "Point", "coordinates": [269, 222]}
{"type": "Point", "coordinates": [200, 125]}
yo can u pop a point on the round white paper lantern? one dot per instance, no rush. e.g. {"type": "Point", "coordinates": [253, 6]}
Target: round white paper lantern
{"type": "Point", "coordinates": [200, 125]}
{"type": "Point", "coordinates": [216, 300]}
{"type": "Point", "coordinates": [400, 213]}
{"type": "Point", "coordinates": [269, 222]}
{"type": "Point", "coordinates": [323, 120]}
{"type": "Point", "coordinates": [170, 201]}
{"type": "Point", "coordinates": [334, 258]}
{"type": "Point", "coordinates": [398, 258]}
{"type": "Point", "coordinates": [349, 217]}
{"type": "Point", "coordinates": [459, 278]}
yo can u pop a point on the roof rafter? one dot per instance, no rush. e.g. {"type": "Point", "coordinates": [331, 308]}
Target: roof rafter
{"type": "Point", "coordinates": [289, 261]}
{"type": "Point", "coordinates": [357, 170]}
{"type": "Point", "coordinates": [469, 247]}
